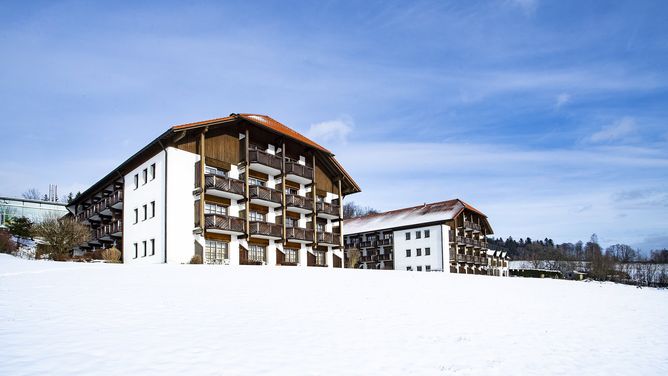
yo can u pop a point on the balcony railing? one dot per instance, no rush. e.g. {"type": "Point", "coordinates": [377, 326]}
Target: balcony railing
{"type": "Point", "coordinates": [265, 229]}
{"type": "Point", "coordinates": [224, 223]}
{"type": "Point", "coordinates": [384, 242]}
{"type": "Point", "coordinates": [266, 194]}
{"type": "Point", "coordinates": [298, 201]}
{"type": "Point", "coordinates": [328, 238]}
{"type": "Point", "coordinates": [264, 158]}
{"type": "Point", "coordinates": [327, 208]}
{"type": "Point", "coordinates": [116, 227]}
{"type": "Point", "coordinates": [368, 244]}
{"type": "Point", "coordinates": [299, 170]}
{"type": "Point", "coordinates": [299, 233]}
{"type": "Point", "coordinates": [471, 226]}
{"type": "Point", "coordinates": [224, 184]}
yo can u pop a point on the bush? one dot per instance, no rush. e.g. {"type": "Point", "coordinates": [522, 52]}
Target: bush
{"type": "Point", "coordinates": [7, 245]}
{"type": "Point", "coordinates": [97, 254]}
{"type": "Point", "coordinates": [111, 255]}
{"type": "Point", "coordinates": [197, 259]}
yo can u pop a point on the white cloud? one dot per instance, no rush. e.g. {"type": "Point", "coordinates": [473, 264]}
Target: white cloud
{"type": "Point", "coordinates": [528, 6]}
{"type": "Point", "coordinates": [563, 99]}
{"type": "Point", "coordinates": [615, 131]}
{"type": "Point", "coordinates": [332, 131]}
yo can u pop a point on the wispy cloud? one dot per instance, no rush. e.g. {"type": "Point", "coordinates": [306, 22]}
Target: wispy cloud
{"type": "Point", "coordinates": [619, 130]}
{"type": "Point", "coordinates": [562, 99]}
{"type": "Point", "coordinates": [331, 131]}
{"type": "Point", "coordinates": [527, 6]}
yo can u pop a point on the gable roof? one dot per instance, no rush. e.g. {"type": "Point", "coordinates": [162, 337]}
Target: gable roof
{"type": "Point", "coordinates": [261, 120]}
{"type": "Point", "coordinates": [427, 213]}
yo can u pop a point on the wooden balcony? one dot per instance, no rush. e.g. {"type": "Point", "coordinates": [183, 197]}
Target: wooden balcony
{"type": "Point", "coordinates": [299, 204]}
{"type": "Point", "coordinates": [329, 238]}
{"type": "Point", "coordinates": [265, 230]}
{"type": "Point", "coordinates": [299, 235]}
{"type": "Point", "coordinates": [224, 187]}
{"type": "Point", "coordinates": [298, 172]}
{"type": "Point", "coordinates": [385, 242]}
{"type": "Point", "coordinates": [369, 244]}
{"type": "Point", "coordinates": [470, 226]}
{"type": "Point", "coordinates": [327, 210]}
{"type": "Point", "coordinates": [264, 162]}
{"type": "Point", "coordinates": [224, 224]}
{"type": "Point", "coordinates": [117, 228]}
{"type": "Point", "coordinates": [265, 196]}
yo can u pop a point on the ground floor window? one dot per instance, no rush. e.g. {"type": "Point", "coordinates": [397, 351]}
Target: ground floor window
{"type": "Point", "coordinates": [215, 252]}
{"type": "Point", "coordinates": [320, 258]}
{"type": "Point", "coordinates": [291, 255]}
{"type": "Point", "coordinates": [256, 253]}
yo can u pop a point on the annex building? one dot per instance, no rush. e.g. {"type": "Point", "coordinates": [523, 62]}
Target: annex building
{"type": "Point", "coordinates": [448, 236]}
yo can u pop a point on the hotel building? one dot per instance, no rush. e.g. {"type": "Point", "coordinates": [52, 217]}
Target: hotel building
{"type": "Point", "coordinates": [448, 236]}
{"type": "Point", "coordinates": [243, 189]}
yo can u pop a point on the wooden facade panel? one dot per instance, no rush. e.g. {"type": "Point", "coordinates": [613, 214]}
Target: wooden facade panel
{"type": "Point", "coordinates": [337, 261]}
{"type": "Point", "coordinates": [259, 208]}
{"type": "Point", "coordinates": [218, 200]}
{"type": "Point", "coordinates": [223, 147]}
{"type": "Point", "coordinates": [292, 184]}
{"type": "Point", "coordinates": [294, 246]}
{"type": "Point", "coordinates": [258, 241]}
{"type": "Point", "coordinates": [323, 181]}
{"type": "Point", "coordinates": [292, 215]}
{"type": "Point", "coordinates": [188, 143]}
{"type": "Point", "coordinates": [258, 175]}
{"type": "Point", "coordinates": [222, 165]}
{"type": "Point", "coordinates": [221, 237]}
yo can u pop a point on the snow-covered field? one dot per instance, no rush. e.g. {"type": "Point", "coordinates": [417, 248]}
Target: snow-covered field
{"type": "Point", "coordinates": [98, 319]}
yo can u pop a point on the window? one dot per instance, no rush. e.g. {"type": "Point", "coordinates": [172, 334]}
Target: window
{"type": "Point", "coordinates": [152, 247]}
{"type": "Point", "coordinates": [408, 236]}
{"type": "Point", "coordinates": [291, 256]}
{"type": "Point", "coordinates": [144, 244]}
{"type": "Point", "coordinates": [215, 252]}
{"type": "Point", "coordinates": [216, 209]}
{"type": "Point", "coordinates": [214, 171]}
{"type": "Point", "coordinates": [320, 199]}
{"type": "Point", "coordinates": [418, 252]}
{"type": "Point", "coordinates": [418, 234]}
{"type": "Point", "coordinates": [427, 251]}
{"type": "Point", "coordinates": [320, 258]}
{"type": "Point", "coordinates": [145, 212]}
{"type": "Point", "coordinates": [256, 253]}
{"type": "Point", "coordinates": [408, 253]}
{"type": "Point", "coordinates": [144, 176]}
{"type": "Point", "coordinates": [136, 215]}
{"type": "Point", "coordinates": [256, 181]}
{"type": "Point", "coordinates": [427, 268]}
{"type": "Point", "coordinates": [321, 227]}
{"type": "Point", "coordinates": [409, 268]}
{"type": "Point", "coordinates": [419, 268]}
{"type": "Point", "coordinates": [151, 171]}
{"type": "Point", "coordinates": [426, 233]}
{"type": "Point", "coordinates": [255, 216]}
{"type": "Point", "coordinates": [136, 250]}
{"type": "Point", "coordinates": [136, 181]}
{"type": "Point", "coordinates": [387, 236]}
{"type": "Point", "coordinates": [152, 209]}
{"type": "Point", "coordinates": [291, 191]}
{"type": "Point", "coordinates": [291, 222]}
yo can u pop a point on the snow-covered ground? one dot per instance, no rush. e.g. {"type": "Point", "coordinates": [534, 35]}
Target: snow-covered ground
{"type": "Point", "coordinates": [106, 319]}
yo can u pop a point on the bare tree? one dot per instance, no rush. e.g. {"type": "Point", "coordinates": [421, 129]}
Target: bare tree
{"type": "Point", "coordinates": [352, 210]}
{"type": "Point", "coordinates": [61, 235]}
{"type": "Point", "coordinates": [32, 194]}
{"type": "Point", "coordinates": [353, 257]}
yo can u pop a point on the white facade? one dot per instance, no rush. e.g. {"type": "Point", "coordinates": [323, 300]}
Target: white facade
{"type": "Point", "coordinates": [180, 205]}
{"type": "Point", "coordinates": [427, 246]}
{"type": "Point", "coordinates": [143, 212]}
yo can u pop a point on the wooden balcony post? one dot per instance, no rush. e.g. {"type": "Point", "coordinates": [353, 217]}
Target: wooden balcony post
{"type": "Point", "coordinates": [284, 202]}
{"type": "Point", "coordinates": [247, 184]}
{"type": "Point", "coordinates": [340, 216]}
{"type": "Point", "coordinates": [202, 183]}
{"type": "Point", "coordinates": [314, 216]}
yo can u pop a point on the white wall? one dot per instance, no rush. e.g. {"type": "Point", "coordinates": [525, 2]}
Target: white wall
{"type": "Point", "coordinates": [434, 242]}
{"type": "Point", "coordinates": [151, 228]}
{"type": "Point", "coordinates": [180, 205]}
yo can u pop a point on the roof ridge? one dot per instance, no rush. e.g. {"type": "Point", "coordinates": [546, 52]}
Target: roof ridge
{"type": "Point", "coordinates": [394, 211]}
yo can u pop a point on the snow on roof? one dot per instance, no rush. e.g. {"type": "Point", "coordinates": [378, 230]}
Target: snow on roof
{"type": "Point", "coordinates": [426, 213]}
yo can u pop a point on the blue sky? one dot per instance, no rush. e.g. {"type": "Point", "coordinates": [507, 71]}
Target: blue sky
{"type": "Point", "coordinates": [550, 116]}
